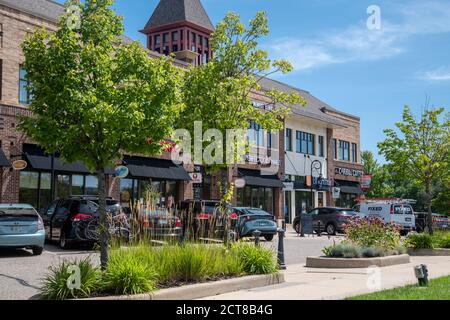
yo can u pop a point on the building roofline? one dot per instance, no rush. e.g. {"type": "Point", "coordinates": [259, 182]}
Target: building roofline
{"type": "Point", "coordinates": [17, 7]}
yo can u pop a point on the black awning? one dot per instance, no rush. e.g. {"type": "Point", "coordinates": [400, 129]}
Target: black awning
{"type": "Point", "coordinates": [4, 162]}
{"type": "Point", "coordinates": [45, 163]}
{"type": "Point", "coordinates": [254, 178]}
{"type": "Point", "coordinates": [352, 190]}
{"type": "Point", "coordinates": [156, 169]}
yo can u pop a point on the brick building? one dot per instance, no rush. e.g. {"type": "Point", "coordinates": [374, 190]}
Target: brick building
{"type": "Point", "coordinates": [181, 27]}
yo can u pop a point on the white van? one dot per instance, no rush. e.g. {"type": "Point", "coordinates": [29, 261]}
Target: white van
{"type": "Point", "coordinates": [399, 213]}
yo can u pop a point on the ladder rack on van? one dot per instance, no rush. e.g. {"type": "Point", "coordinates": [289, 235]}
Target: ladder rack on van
{"type": "Point", "coordinates": [388, 201]}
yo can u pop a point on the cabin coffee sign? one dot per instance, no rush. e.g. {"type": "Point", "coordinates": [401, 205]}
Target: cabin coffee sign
{"type": "Point", "coordinates": [348, 172]}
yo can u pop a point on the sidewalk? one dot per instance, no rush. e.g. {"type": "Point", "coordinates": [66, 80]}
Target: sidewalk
{"type": "Point", "coordinates": [335, 284]}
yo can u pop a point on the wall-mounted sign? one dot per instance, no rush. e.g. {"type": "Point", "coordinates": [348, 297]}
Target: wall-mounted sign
{"type": "Point", "coordinates": [321, 184]}
{"type": "Point", "coordinates": [366, 181]}
{"type": "Point", "coordinates": [196, 177]}
{"type": "Point", "coordinates": [121, 172]}
{"type": "Point", "coordinates": [19, 165]}
{"type": "Point", "coordinates": [240, 183]}
{"type": "Point", "coordinates": [288, 186]}
{"type": "Point", "coordinates": [336, 192]}
{"type": "Point", "coordinates": [348, 172]}
{"type": "Point", "coordinates": [264, 161]}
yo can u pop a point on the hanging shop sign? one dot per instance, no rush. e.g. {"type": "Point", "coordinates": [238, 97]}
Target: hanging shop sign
{"type": "Point", "coordinates": [288, 186]}
{"type": "Point", "coordinates": [348, 172]}
{"type": "Point", "coordinates": [121, 172]}
{"type": "Point", "coordinates": [366, 182]}
{"type": "Point", "coordinates": [336, 192]}
{"type": "Point", "coordinates": [19, 165]}
{"type": "Point", "coordinates": [240, 183]}
{"type": "Point", "coordinates": [197, 178]}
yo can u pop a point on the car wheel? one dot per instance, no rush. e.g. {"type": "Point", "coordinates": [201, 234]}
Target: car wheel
{"type": "Point", "coordinates": [37, 251]}
{"type": "Point", "coordinates": [297, 228]}
{"type": "Point", "coordinates": [268, 237]}
{"type": "Point", "coordinates": [63, 244]}
{"type": "Point", "coordinates": [331, 229]}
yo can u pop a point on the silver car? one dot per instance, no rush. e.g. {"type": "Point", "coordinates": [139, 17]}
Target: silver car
{"type": "Point", "coordinates": [21, 227]}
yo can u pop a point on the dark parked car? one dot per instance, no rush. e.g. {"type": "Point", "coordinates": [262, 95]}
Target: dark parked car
{"type": "Point", "coordinates": [252, 219]}
{"type": "Point", "coordinates": [159, 224]}
{"type": "Point", "coordinates": [63, 214]}
{"type": "Point", "coordinates": [332, 220]}
{"type": "Point", "coordinates": [204, 219]}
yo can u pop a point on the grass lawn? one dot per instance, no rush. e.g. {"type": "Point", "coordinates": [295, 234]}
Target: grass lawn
{"type": "Point", "coordinates": [438, 289]}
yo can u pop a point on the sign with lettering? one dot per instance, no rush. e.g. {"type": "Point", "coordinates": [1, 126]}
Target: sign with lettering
{"type": "Point", "coordinates": [240, 183]}
{"type": "Point", "coordinates": [122, 172]}
{"type": "Point", "coordinates": [336, 193]}
{"type": "Point", "coordinates": [265, 161]}
{"type": "Point", "coordinates": [348, 172]}
{"type": "Point", "coordinates": [196, 178]}
{"type": "Point", "coordinates": [19, 165]}
{"type": "Point", "coordinates": [288, 186]}
{"type": "Point", "coordinates": [366, 181]}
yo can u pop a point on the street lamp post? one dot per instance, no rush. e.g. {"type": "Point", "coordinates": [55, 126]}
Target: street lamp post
{"type": "Point", "coordinates": [316, 166]}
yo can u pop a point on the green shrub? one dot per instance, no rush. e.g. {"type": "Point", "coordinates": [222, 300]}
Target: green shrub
{"type": "Point", "coordinates": [55, 284]}
{"type": "Point", "coordinates": [419, 241]}
{"type": "Point", "coordinates": [255, 260]}
{"type": "Point", "coordinates": [127, 274]}
{"type": "Point", "coordinates": [373, 233]}
{"type": "Point", "coordinates": [372, 252]}
{"type": "Point", "coordinates": [441, 240]}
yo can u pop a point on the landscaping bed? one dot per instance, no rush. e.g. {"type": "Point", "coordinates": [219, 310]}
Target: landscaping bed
{"type": "Point", "coordinates": [368, 242]}
{"type": "Point", "coordinates": [142, 269]}
{"type": "Point", "coordinates": [438, 289]}
{"type": "Point", "coordinates": [424, 244]}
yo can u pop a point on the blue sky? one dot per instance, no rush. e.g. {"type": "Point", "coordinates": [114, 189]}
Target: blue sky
{"type": "Point", "coordinates": [368, 73]}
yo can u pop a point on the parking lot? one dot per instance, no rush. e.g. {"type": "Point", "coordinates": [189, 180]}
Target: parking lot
{"type": "Point", "coordinates": [21, 272]}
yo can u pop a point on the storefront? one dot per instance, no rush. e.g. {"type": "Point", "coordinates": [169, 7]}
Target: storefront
{"type": "Point", "coordinates": [35, 179]}
{"type": "Point", "coordinates": [259, 191]}
{"type": "Point", "coordinates": [348, 180]}
{"type": "Point", "coordinates": [152, 177]}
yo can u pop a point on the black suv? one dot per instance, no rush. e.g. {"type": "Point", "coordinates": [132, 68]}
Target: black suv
{"type": "Point", "coordinates": [329, 219]}
{"type": "Point", "coordinates": [60, 216]}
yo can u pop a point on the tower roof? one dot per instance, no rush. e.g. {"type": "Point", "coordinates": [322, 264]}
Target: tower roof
{"type": "Point", "coordinates": [172, 11]}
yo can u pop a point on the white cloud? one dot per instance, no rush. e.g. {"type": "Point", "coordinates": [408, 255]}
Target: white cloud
{"type": "Point", "coordinates": [358, 43]}
{"type": "Point", "coordinates": [440, 74]}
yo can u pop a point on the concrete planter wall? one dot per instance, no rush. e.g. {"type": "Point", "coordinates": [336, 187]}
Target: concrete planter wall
{"type": "Point", "coordinates": [201, 290]}
{"type": "Point", "coordinates": [429, 252]}
{"type": "Point", "coordinates": [342, 263]}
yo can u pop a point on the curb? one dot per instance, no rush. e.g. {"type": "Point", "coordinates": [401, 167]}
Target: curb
{"type": "Point", "coordinates": [429, 252]}
{"type": "Point", "coordinates": [202, 290]}
{"type": "Point", "coordinates": [342, 263]}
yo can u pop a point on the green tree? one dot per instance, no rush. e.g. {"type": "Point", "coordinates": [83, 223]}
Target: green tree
{"type": "Point", "coordinates": [220, 93]}
{"type": "Point", "coordinates": [96, 98]}
{"type": "Point", "coordinates": [420, 152]}
{"type": "Point", "coordinates": [369, 162]}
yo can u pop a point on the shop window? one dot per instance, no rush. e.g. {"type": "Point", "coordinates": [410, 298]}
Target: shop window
{"type": "Point", "coordinates": [200, 40]}
{"type": "Point", "coordinates": [77, 185]}
{"type": "Point", "coordinates": [28, 188]}
{"type": "Point", "coordinates": [165, 38]}
{"type": "Point", "coordinates": [344, 150]}
{"type": "Point", "coordinates": [305, 143]}
{"type": "Point", "coordinates": [321, 146]}
{"type": "Point", "coordinates": [157, 39]}
{"type": "Point", "coordinates": [288, 139]}
{"type": "Point", "coordinates": [175, 36]}
{"type": "Point", "coordinates": [63, 186]}
{"type": "Point", "coordinates": [126, 191]}
{"type": "Point", "coordinates": [45, 190]}
{"type": "Point", "coordinates": [24, 95]}
{"type": "Point", "coordinates": [269, 139]}
{"type": "Point", "coordinates": [91, 185]}
{"type": "Point", "coordinates": [354, 152]}
{"type": "Point", "coordinates": [206, 43]}
{"type": "Point", "coordinates": [175, 48]}
{"type": "Point", "coordinates": [334, 148]}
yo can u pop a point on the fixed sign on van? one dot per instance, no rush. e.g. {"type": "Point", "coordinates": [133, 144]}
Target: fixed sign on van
{"type": "Point", "coordinates": [397, 213]}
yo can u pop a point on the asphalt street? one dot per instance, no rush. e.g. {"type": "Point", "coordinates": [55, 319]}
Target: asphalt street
{"type": "Point", "coordinates": [21, 273]}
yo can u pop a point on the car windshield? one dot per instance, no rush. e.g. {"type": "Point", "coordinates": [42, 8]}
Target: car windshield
{"type": "Point", "coordinates": [18, 212]}
{"type": "Point", "coordinates": [157, 213]}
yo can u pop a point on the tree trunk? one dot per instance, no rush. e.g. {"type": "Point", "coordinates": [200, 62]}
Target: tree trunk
{"type": "Point", "coordinates": [430, 211]}
{"type": "Point", "coordinates": [104, 233]}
